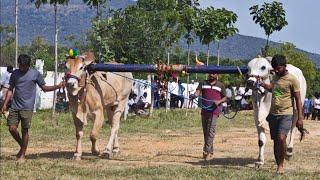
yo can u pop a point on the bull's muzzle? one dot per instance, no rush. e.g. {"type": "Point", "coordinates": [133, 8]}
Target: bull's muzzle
{"type": "Point", "coordinates": [250, 83]}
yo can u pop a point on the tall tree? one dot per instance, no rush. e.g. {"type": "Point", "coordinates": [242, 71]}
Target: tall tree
{"type": "Point", "coordinates": [214, 25]}
{"type": "Point", "coordinates": [271, 17]}
{"type": "Point", "coordinates": [300, 60]}
{"type": "Point", "coordinates": [140, 33]}
{"type": "Point", "coordinates": [55, 3]}
{"type": "Point", "coordinates": [7, 45]}
{"type": "Point", "coordinates": [188, 14]}
{"type": "Point", "coordinates": [96, 4]}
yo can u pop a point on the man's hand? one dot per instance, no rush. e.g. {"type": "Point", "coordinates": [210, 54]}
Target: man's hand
{"type": "Point", "coordinates": [4, 108]}
{"type": "Point", "coordinates": [301, 129]}
{"type": "Point", "coordinates": [299, 124]}
{"type": "Point", "coordinates": [62, 84]}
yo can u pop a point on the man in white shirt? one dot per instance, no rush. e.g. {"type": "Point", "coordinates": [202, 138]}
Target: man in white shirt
{"type": "Point", "coordinates": [316, 106]}
{"type": "Point", "coordinates": [5, 78]}
{"type": "Point", "coordinates": [192, 89]}
{"type": "Point", "coordinates": [174, 93]}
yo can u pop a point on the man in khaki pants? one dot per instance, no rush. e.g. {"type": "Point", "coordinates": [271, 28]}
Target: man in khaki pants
{"type": "Point", "coordinates": [22, 90]}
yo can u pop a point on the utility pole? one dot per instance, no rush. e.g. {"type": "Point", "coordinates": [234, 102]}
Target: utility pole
{"type": "Point", "coordinates": [16, 33]}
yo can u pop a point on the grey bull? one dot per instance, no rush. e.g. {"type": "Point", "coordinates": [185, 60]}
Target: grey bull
{"type": "Point", "coordinates": [91, 95]}
{"type": "Point", "coordinates": [262, 101]}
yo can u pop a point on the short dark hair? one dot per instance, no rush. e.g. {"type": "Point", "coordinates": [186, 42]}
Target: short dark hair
{"type": "Point", "coordinates": [278, 60]}
{"type": "Point", "coordinates": [24, 59]}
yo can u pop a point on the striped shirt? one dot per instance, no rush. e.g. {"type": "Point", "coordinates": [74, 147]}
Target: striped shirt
{"type": "Point", "coordinates": [211, 93]}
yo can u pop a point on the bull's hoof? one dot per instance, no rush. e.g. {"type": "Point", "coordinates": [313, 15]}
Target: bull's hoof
{"type": "Point", "coordinates": [106, 156]}
{"type": "Point", "coordinates": [258, 164]}
{"type": "Point", "coordinates": [287, 157]}
{"type": "Point", "coordinates": [95, 152]}
{"type": "Point", "coordinates": [116, 151]}
{"type": "Point", "coordinates": [289, 154]}
{"type": "Point", "coordinates": [77, 157]}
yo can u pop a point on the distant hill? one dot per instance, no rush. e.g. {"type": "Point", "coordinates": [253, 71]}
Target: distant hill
{"type": "Point", "coordinates": [75, 19]}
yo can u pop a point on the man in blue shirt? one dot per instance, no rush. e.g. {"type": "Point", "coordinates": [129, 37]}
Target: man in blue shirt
{"type": "Point", "coordinates": [22, 90]}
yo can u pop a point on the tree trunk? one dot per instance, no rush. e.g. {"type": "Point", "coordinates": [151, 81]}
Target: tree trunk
{"type": "Point", "coordinates": [167, 94]}
{"type": "Point", "coordinates": [188, 80]}
{"type": "Point", "coordinates": [55, 57]}
{"type": "Point", "coordinates": [208, 53]}
{"type": "Point", "coordinates": [151, 80]}
{"type": "Point", "coordinates": [218, 54]}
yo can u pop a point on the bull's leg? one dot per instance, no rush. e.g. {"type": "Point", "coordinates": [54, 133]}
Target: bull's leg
{"type": "Point", "coordinates": [262, 144]}
{"type": "Point", "coordinates": [116, 147]}
{"type": "Point", "coordinates": [290, 140]}
{"type": "Point", "coordinates": [97, 124]}
{"type": "Point", "coordinates": [290, 137]}
{"type": "Point", "coordinates": [115, 123]}
{"type": "Point", "coordinates": [79, 134]}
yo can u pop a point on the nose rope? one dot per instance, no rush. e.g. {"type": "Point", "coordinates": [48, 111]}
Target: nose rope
{"type": "Point", "coordinates": [71, 76]}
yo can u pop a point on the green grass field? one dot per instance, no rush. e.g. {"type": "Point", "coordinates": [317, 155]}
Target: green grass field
{"type": "Point", "coordinates": [166, 146]}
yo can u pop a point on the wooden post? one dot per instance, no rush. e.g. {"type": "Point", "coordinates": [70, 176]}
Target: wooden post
{"type": "Point", "coordinates": [151, 79]}
{"type": "Point", "coordinates": [55, 58]}
{"type": "Point", "coordinates": [167, 94]}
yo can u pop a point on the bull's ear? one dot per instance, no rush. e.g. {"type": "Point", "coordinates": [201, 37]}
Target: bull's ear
{"type": "Point", "coordinates": [88, 58]}
{"type": "Point", "coordinates": [269, 58]}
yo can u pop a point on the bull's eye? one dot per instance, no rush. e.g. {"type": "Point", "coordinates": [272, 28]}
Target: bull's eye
{"type": "Point", "coordinates": [263, 67]}
{"type": "Point", "coordinates": [81, 67]}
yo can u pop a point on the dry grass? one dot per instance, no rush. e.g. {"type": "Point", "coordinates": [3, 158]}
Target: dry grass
{"type": "Point", "coordinates": [156, 148]}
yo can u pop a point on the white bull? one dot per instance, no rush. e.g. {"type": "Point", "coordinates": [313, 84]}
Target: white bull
{"type": "Point", "coordinates": [262, 101]}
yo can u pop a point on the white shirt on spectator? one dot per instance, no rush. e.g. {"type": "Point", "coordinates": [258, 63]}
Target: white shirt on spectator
{"type": "Point", "coordinates": [131, 102]}
{"type": "Point", "coordinates": [5, 78]}
{"type": "Point", "coordinates": [173, 88]}
{"type": "Point", "coordinates": [228, 93]}
{"type": "Point", "coordinates": [316, 103]}
{"type": "Point", "coordinates": [239, 94]}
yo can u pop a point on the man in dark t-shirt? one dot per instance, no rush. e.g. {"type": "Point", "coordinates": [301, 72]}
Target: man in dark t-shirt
{"type": "Point", "coordinates": [213, 94]}
{"type": "Point", "coordinates": [22, 90]}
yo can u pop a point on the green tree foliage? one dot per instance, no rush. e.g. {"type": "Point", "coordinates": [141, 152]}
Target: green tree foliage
{"type": "Point", "coordinates": [138, 34]}
{"type": "Point", "coordinates": [40, 49]}
{"type": "Point", "coordinates": [302, 61]}
{"type": "Point", "coordinates": [38, 3]}
{"type": "Point", "coordinates": [7, 46]}
{"type": "Point", "coordinates": [96, 4]}
{"type": "Point", "coordinates": [214, 25]}
{"type": "Point", "coordinates": [271, 17]}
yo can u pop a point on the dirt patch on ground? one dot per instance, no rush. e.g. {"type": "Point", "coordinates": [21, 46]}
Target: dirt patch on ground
{"type": "Point", "coordinates": [233, 147]}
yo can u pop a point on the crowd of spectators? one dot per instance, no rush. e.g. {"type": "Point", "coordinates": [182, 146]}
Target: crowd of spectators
{"type": "Point", "coordinates": [311, 106]}
{"type": "Point", "coordinates": [175, 94]}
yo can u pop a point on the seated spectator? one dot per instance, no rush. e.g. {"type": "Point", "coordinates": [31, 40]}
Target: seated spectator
{"type": "Point", "coordinates": [142, 102]}
{"type": "Point", "coordinates": [132, 103]}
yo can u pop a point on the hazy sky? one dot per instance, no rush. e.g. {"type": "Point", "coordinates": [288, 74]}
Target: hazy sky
{"type": "Point", "coordinates": [303, 17]}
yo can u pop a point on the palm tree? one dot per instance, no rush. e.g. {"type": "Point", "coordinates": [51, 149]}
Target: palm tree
{"type": "Point", "coordinates": [55, 3]}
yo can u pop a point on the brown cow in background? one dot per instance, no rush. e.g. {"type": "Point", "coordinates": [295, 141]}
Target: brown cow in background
{"type": "Point", "coordinates": [91, 95]}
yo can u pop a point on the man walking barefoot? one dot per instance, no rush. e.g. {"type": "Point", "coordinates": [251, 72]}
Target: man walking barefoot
{"type": "Point", "coordinates": [22, 87]}
{"type": "Point", "coordinates": [284, 87]}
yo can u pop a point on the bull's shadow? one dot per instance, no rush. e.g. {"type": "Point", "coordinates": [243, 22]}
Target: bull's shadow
{"type": "Point", "coordinates": [57, 155]}
{"type": "Point", "coordinates": [228, 161]}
